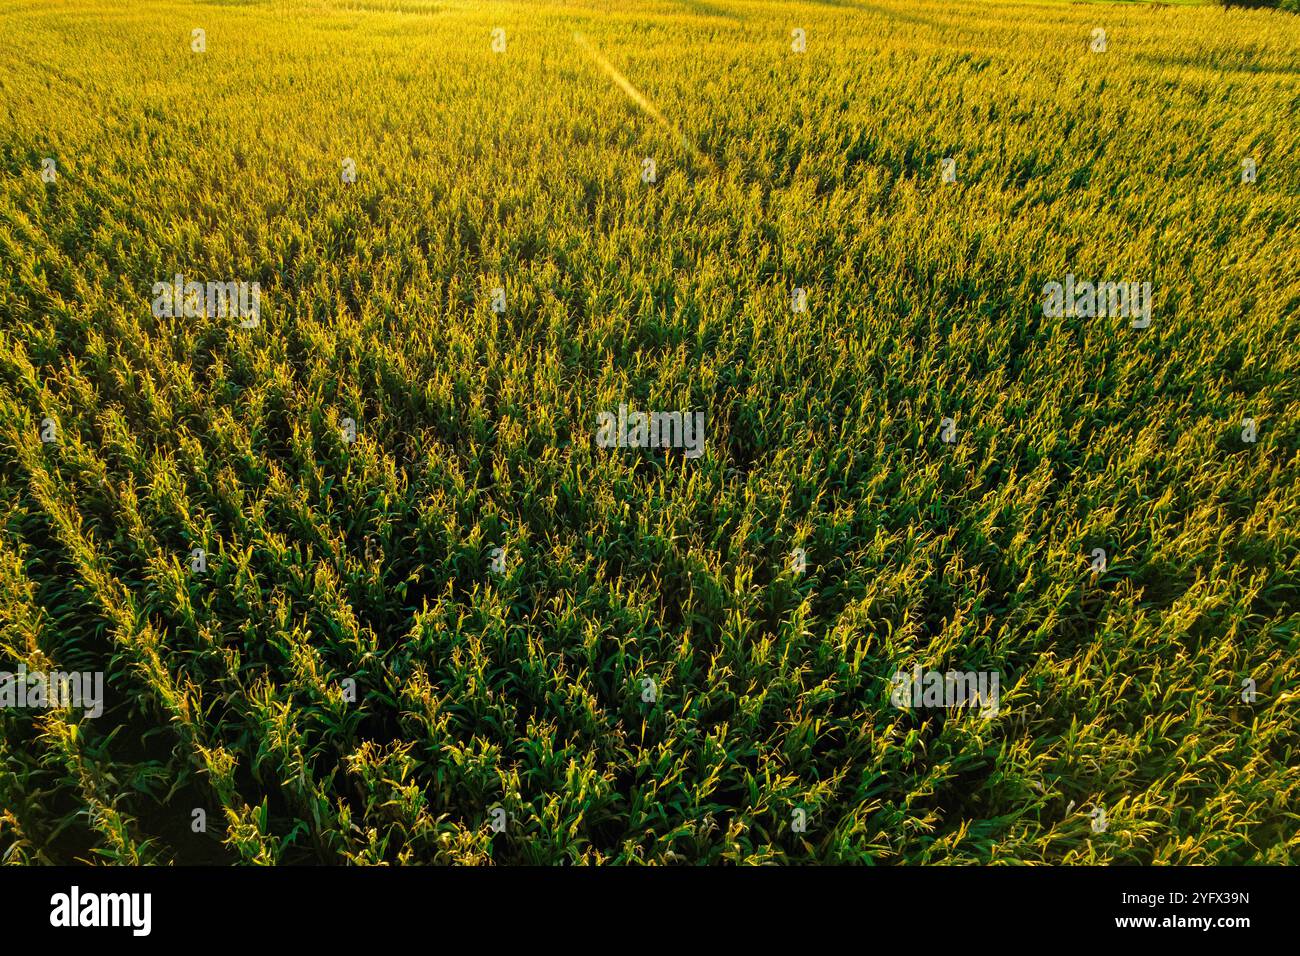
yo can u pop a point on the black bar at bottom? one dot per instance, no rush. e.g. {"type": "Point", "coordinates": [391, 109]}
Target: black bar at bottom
{"type": "Point", "coordinates": [645, 909]}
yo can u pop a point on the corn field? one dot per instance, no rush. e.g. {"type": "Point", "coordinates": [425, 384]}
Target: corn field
{"type": "Point", "coordinates": [365, 588]}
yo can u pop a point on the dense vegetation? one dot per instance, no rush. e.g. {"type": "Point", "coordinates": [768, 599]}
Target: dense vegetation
{"type": "Point", "coordinates": [1291, 5]}
{"type": "Point", "coordinates": [372, 561]}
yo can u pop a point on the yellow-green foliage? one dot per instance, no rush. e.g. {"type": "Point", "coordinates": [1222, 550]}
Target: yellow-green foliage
{"type": "Point", "coordinates": [370, 561]}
